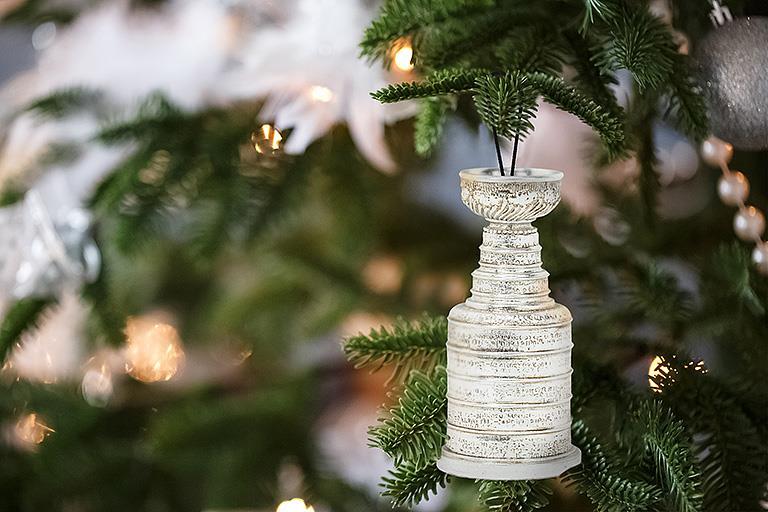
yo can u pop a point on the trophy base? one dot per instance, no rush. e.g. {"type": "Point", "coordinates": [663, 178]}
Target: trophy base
{"type": "Point", "coordinates": [498, 469]}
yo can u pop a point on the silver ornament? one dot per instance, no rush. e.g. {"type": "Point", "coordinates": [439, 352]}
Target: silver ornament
{"type": "Point", "coordinates": [40, 256]}
{"type": "Point", "coordinates": [732, 61]}
{"type": "Point", "coordinates": [509, 344]}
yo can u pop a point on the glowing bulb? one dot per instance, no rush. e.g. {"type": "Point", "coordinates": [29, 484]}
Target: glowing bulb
{"type": "Point", "coordinates": [153, 350]}
{"type": "Point", "coordinates": [31, 429]}
{"type": "Point", "coordinates": [321, 94]}
{"type": "Point", "coordinates": [654, 370]}
{"type": "Point", "coordinates": [403, 57]}
{"type": "Point", "coordinates": [294, 505]}
{"type": "Point", "coordinates": [267, 140]}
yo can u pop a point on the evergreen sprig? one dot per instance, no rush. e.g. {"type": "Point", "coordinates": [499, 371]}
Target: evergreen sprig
{"type": "Point", "coordinates": [414, 430]}
{"type": "Point", "coordinates": [606, 122]}
{"type": "Point", "coordinates": [440, 83]}
{"type": "Point", "coordinates": [514, 496]}
{"type": "Point", "coordinates": [603, 482]}
{"type": "Point", "coordinates": [429, 124]}
{"type": "Point", "coordinates": [400, 18]}
{"type": "Point", "coordinates": [409, 483]}
{"type": "Point", "coordinates": [21, 317]}
{"type": "Point", "coordinates": [732, 455]}
{"type": "Point", "coordinates": [507, 103]}
{"type": "Point", "coordinates": [405, 346]}
{"type": "Point", "coordinates": [669, 450]}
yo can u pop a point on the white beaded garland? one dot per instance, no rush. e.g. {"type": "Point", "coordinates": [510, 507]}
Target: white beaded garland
{"type": "Point", "coordinates": [749, 223]}
{"type": "Point", "coordinates": [760, 257]}
{"type": "Point", "coordinates": [733, 188]}
{"type": "Point", "coordinates": [716, 152]}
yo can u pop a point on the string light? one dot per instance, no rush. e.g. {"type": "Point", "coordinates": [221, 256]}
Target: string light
{"type": "Point", "coordinates": [654, 371]}
{"type": "Point", "coordinates": [294, 505]}
{"type": "Point", "coordinates": [321, 94]}
{"type": "Point", "coordinates": [267, 140]}
{"type": "Point", "coordinates": [31, 429]}
{"type": "Point", "coordinates": [153, 350]}
{"type": "Point", "coordinates": [402, 55]}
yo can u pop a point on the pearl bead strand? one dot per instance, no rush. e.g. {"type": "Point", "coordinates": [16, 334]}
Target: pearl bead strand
{"type": "Point", "coordinates": [733, 190]}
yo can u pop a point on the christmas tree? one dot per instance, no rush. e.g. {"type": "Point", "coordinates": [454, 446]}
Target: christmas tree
{"type": "Point", "coordinates": [223, 229]}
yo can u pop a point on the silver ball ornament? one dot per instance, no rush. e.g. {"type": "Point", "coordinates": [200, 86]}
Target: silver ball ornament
{"type": "Point", "coordinates": [731, 62]}
{"type": "Point", "coordinates": [716, 152]}
{"type": "Point", "coordinates": [760, 257]}
{"type": "Point", "coordinates": [733, 188]}
{"type": "Point", "coordinates": [749, 223]}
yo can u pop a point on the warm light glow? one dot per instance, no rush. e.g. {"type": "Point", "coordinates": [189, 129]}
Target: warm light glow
{"type": "Point", "coordinates": [383, 274]}
{"type": "Point", "coordinates": [267, 140]}
{"type": "Point", "coordinates": [403, 57]}
{"type": "Point", "coordinates": [153, 350]}
{"type": "Point", "coordinates": [321, 94]}
{"type": "Point", "coordinates": [31, 429]}
{"type": "Point", "coordinates": [654, 371]}
{"type": "Point", "coordinates": [294, 505]}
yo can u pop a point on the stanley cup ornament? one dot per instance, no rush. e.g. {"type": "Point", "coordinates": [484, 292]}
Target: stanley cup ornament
{"type": "Point", "coordinates": [509, 344]}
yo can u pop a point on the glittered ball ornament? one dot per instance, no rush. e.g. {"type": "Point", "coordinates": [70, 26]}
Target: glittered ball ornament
{"type": "Point", "coordinates": [732, 62]}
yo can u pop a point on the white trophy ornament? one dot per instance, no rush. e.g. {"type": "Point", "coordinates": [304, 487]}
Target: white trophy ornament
{"type": "Point", "coordinates": [509, 343]}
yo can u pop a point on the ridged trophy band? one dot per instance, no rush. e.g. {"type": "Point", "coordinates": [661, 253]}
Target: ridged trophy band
{"type": "Point", "coordinates": [509, 343]}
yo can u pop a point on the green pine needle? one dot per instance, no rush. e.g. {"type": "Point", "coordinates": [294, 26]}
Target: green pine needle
{"type": "Point", "coordinates": [669, 450]}
{"type": "Point", "coordinates": [409, 483]}
{"type": "Point", "coordinates": [506, 103]}
{"type": "Point", "coordinates": [601, 480]}
{"type": "Point", "coordinates": [414, 430]}
{"type": "Point", "coordinates": [21, 317]}
{"type": "Point", "coordinates": [405, 346]}
{"type": "Point", "coordinates": [400, 18]}
{"type": "Point", "coordinates": [440, 83]}
{"type": "Point", "coordinates": [65, 102]}
{"type": "Point", "coordinates": [607, 124]}
{"type": "Point", "coordinates": [429, 124]}
{"type": "Point", "coordinates": [731, 453]}
{"type": "Point", "coordinates": [514, 496]}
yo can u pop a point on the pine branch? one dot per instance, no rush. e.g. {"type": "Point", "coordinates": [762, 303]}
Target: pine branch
{"type": "Point", "coordinates": [399, 18]}
{"type": "Point", "coordinates": [687, 103]}
{"type": "Point", "coordinates": [531, 49]}
{"type": "Point", "coordinates": [22, 316]}
{"type": "Point", "coordinates": [607, 124]}
{"type": "Point", "coordinates": [477, 36]}
{"type": "Point", "coordinates": [639, 42]}
{"type": "Point", "coordinates": [514, 496]}
{"type": "Point", "coordinates": [603, 482]}
{"type": "Point", "coordinates": [449, 81]}
{"type": "Point", "coordinates": [733, 457]}
{"type": "Point", "coordinates": [405, 345]}
{"type": "Point", "coordinates": [110, 322]}
{"type": "Point", "coordinates": [590, 78]}
{"type": "Point", "coordinates": [506, 103]}
{"type": "Point", "coordinates": [669, 449]}
{"type": "Point", "coordinates": [409, 484]}
{"type": "Point", "coordinates": [64, 102]}
{"type": "Point", "coordinates": [657, 295]}
{"type": "Point", "coordinates": [414, 431]}
{"type": "Point", "coordinates": [429, 124]}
